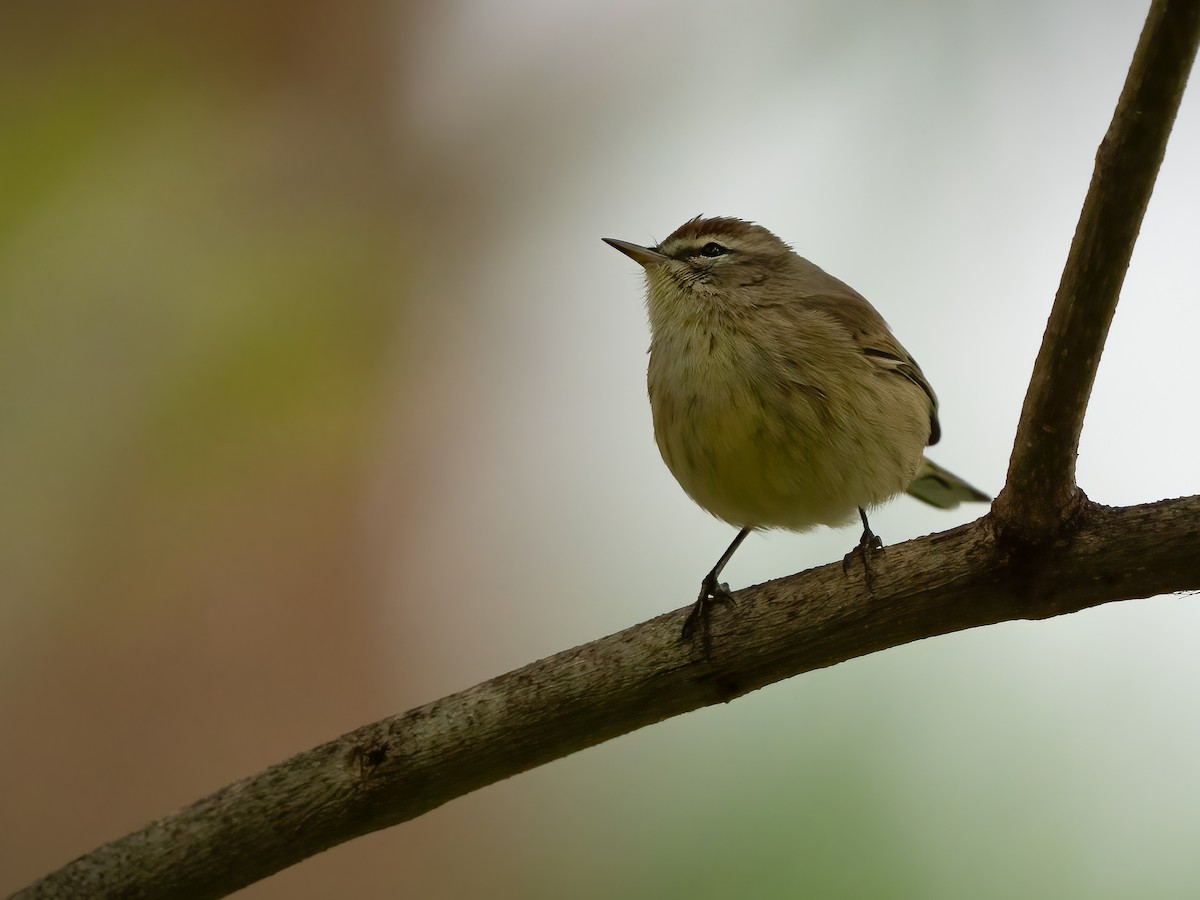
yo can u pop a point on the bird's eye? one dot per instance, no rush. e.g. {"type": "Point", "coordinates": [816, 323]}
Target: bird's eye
{"type": "Point", "coordinates": [712, 248]}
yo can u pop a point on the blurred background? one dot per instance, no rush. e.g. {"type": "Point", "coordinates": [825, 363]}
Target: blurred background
{"type": "Point", "coordinates": [320, 398]}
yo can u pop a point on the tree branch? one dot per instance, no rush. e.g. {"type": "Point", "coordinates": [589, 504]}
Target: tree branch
{"type": "Point", "coordinates": [398, 768]}
{"type": "Point", "coordinates": [1040, 493]}
{"type": "Point", "coordinates": [1068, 555]}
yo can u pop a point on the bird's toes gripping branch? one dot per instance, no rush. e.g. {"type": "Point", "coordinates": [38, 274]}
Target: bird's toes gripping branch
{"type": "Point", "coordinates": [869, 544]}
{"type": "Point", "coordinates": [697, 621]}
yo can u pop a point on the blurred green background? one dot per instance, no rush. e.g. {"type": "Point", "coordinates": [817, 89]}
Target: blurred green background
{"type": "Point", "coordinates": [320, 398]}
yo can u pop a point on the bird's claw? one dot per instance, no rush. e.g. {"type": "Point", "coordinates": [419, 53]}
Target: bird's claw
{"type": "Point", "coordinates": [869, 544]}
{"type": "Point", "coordinates": [711, 593]}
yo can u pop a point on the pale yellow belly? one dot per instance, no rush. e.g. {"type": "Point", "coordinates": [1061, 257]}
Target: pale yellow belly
{"type": "Point", "coordinates": [791, 458]}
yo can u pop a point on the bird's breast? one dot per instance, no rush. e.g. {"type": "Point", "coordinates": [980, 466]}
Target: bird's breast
{"type": "Point", "coordinates": [764, 438]}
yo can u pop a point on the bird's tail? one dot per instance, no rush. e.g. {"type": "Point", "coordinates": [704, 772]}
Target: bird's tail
{"type": "Point", "coordinates": [943, 489]}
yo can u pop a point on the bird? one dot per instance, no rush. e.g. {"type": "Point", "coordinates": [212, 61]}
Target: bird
{"type": "Point", "coordinates": [779, 395]}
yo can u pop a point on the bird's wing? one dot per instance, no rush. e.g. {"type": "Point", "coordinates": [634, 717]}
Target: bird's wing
{"type": "Point", "coordinates": [878, 344]}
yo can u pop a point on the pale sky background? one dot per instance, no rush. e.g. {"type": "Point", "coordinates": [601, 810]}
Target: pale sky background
{"type": "Point", "coordinates": [506, 501]}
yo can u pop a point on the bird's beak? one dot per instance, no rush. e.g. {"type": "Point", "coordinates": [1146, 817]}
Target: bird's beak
{"type": "Point", "coordinates": [643, 256]}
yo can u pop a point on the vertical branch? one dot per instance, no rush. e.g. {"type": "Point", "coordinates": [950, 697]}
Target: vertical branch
{"type": "Point", "coordinates": [1040, 493]}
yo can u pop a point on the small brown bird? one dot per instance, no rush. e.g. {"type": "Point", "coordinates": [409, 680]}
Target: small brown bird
{"type": "Point", "coordinates": [780, 397]}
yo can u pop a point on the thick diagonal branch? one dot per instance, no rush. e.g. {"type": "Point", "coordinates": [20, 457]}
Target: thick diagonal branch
{"type": "Point", "coordinates": [1040, 494]}
{"type": "Point", "coordinates": [401, 767]}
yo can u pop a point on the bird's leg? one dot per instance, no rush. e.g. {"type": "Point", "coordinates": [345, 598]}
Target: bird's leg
{"type": "Point", "coordinates": [711, 591]}
{"type": "Point", "coordinates": [869, 543]}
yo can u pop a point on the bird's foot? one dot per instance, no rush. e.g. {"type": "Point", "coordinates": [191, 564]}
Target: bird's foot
{"type": "Point", "coordinates": [869, 544]}
{"type": "Point", "coordinates": [711, 593]}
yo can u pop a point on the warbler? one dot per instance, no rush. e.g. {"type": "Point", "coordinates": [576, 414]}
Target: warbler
{"type": "Point", "coordinates": [780, 396]}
